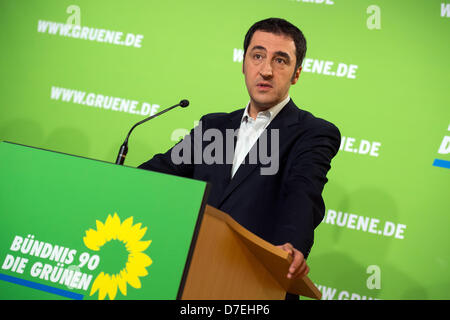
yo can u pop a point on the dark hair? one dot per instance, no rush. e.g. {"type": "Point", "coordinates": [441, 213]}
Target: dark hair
{"type": "Point", "coordinates": [280, 26]}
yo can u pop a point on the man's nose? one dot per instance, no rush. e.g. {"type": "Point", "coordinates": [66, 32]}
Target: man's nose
{"type": "Point", "coordinates": [266, 69]}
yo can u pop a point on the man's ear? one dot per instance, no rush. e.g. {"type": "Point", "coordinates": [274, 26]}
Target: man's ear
{"type": "Point", "coordinates": [296, 75]}
{"type": "Point", "coordinates": [243, 67]}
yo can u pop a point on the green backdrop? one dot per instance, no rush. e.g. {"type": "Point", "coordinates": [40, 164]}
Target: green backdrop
{"type": "Point", "coordinates": [377, 69]}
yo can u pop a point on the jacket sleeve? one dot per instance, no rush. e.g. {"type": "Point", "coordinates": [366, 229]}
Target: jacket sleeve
{"type": "Point", "coordinates": [302, 207]}
{"type": "Point", "coordinates": [178, 160]}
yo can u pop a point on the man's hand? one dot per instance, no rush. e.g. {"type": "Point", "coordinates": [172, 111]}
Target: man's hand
{"type": "Point", "coordinates": [298, 267]}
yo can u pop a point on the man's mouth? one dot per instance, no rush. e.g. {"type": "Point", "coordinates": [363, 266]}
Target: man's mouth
{"type": "Point", "coordinates": [263, 86]}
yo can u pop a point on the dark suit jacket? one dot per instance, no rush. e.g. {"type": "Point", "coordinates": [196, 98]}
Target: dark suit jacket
{"type": "Point", "coordinates": [280, 208]}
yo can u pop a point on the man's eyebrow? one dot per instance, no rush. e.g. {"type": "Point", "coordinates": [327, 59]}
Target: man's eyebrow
{"type": "Point", "coordinates": [258, 48]}
{"type": "Point", "coordinates": [283, 54]}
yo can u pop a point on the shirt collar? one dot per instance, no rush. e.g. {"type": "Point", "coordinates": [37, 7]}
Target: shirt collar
{"type": "Point", "coordinates": [270, 113]}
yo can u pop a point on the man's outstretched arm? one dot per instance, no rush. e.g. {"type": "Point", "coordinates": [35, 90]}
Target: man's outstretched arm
{"type": "Point", "coordinates": [303, 208]}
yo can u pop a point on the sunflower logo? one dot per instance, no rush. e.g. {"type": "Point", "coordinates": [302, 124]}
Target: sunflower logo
{"type": "Point", "coordinates": [130, 235]}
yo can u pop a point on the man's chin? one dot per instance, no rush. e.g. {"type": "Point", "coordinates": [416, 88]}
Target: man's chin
{"type": "Point", "coordinates": [264, 104]}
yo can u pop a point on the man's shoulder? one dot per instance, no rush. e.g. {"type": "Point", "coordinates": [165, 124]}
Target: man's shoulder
{"type": "Point", "coordinates": [311, 122]}
{"type": "Point", "coordinates": [218, 117]}
{"type": "Point", "coordinates": [315, 121]}
{"type": "Point", "coordinates": [316, 131]}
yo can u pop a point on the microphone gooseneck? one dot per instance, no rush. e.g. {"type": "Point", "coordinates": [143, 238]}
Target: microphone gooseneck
{"type": "Point", "coordinates": [124, 147]}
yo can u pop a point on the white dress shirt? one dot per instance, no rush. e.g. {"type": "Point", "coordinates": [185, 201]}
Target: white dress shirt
{"type": "Point", "coordinates": [251, 129]}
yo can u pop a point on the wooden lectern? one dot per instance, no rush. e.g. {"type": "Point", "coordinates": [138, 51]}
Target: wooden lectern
{"type": "Point", "coordinates": [210, 257]}
{"type": "Point", "coordinates": [229, 262]}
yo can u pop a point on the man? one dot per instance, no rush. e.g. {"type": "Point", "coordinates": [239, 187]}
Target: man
{"type": "Point", "coordinates": [283, 207]}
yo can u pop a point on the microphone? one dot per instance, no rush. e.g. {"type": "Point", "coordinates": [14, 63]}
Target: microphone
{"type": "Point", "coordinates": [124, 148]}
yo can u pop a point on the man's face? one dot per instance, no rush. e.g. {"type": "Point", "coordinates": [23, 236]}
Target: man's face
{"type": "Point", "coordinates": [268, 67]}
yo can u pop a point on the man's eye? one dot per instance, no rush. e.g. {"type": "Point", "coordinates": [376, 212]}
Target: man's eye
{"type": "Point", "coordinates": [257, 56]}
{"type": "Point", "coordinates": [280, 60]}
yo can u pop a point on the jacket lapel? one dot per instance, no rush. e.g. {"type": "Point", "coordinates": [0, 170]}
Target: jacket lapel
{"type": "Point", "coordinates": [225, 168]}
{"type": "Point", "coordinates": [287, 117]}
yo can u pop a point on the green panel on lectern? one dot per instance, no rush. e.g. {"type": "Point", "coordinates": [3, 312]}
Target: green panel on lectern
{"type": "Point", "coordinates": [75, 228]}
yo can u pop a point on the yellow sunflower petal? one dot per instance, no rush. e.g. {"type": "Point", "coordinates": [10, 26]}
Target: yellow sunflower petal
{"type": "Point", "coordinates": [115, 225]}
{"type": "Point", "coordinates": [136, 233]}
{"type": "Point", "coordinates": [107, 231]}
{"type": "Point", "coordinates": [137, 270]}
{"type": "Point", "coordinates": [137, 246]}
{"type": "Point", "coordinates": [140, 258]}
{"type": "Point", "coordinates": [102, 293]}
{"type": "Point", "coordinates": [133, 281]}
{"type": "Point", "coordinates": [91, 240]}
{"type": "Point", "coordinates": [101, 283]}
{"type": "Point", "coordinates": [100, 226]}
{"type": "Point", "coordinates": [122, 283]}
{"type": "Point", "coordinates": [97, 283]}
{"type": "Point", "coordinates": [125, 229]}
{"type": "Point", "coordinates": [112, 290]}
{"type": "Point", "coordinates": [105, 287]}
{"type": "Point", "coordinates": [111, 226]}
